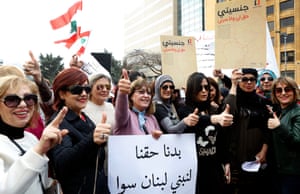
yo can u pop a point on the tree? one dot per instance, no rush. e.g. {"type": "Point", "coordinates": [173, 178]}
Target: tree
{"type": "Point", "coordinates": [116, 70]}
{"type": "Point", "coordinates": [50, 66]}
{"type": "Point", "coordinates": [140, 59]}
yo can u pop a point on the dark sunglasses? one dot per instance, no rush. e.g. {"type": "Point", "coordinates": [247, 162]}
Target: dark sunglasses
{"type": "Point", "coordinates": [246, 79]}
{"type": "Point", "coordinates": [165, 87]}
{"type": "Point", "coordinates": [101, 87]}
{"type": "Point", "coordinates": [13, 101]}
{"type": "Point", "coordinates": [286, 90]}
{"type": "Point", "coordinates": [205, 87]}
{"type": "Point", "coordinates": [266, 78]}
{"type": "Point", "coordinates": [77, 89]}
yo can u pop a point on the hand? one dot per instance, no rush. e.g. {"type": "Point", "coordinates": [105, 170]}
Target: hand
{"type": "Point", "coordinates": [192, 119]}
{"type": "Point", "coordinates": [32, 68]}
{"type": "Point", "coordinates": [124, 83]}
{"type": "Point", "coordinates": [227, 173]}
{"type": "Point", "coordinates": [74, 61]}
{"type": "Point", "coordinates": [102, 131]}
{"type": "Point", "coordinates": [236, 76]}
{"type": "Point", "coordinates": [156, 133]}
{"type": "Point", "coordinates": [52, 135]}
{"type": "Point", "coordinates": [218, 73]}
{"type": "Point", "coordinates": [225, 119]}
{"type": "Point", "coordinates": [273, 122]}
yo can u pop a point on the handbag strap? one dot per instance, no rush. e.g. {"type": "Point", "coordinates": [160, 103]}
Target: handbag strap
{"type": "Point", "coordinates": [22, 153]}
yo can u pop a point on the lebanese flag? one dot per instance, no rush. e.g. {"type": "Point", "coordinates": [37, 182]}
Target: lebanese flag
{"type": "Point", "coordinates": [69, 42]}
{"type": "Point", "coordinates": [66, 18]}
{"type": "Point", "coordinates": [68, 29]}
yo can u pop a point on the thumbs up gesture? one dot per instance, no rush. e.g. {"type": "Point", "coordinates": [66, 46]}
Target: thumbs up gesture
{"type": "Point", "coordinates": [124, 83]}
{"type": "Point", "coordinates": [192, 119]}
{"type": "Point", "coordinates": [273, 122]}
{"type": "Point", "coordinates": [225, 119]}
{"type": "Point", "coordinates": [102, 130]}
{"type": "Point", "coordinates": [52, 135]}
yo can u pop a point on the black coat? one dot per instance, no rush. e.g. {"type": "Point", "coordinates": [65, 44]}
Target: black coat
{"type": "Point", "coordinates": [74, 160]}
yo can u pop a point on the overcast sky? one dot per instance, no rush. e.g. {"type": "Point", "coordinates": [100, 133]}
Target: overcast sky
{"type": "Point", "coordinates": [25, 26]}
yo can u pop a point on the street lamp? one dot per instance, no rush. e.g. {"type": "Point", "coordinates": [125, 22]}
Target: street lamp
{"type": "Point", "coordinates": [284, 35]}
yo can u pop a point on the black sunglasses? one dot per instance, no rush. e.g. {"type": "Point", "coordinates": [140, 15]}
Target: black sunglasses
{"type": "Point", "coordinates": [266, 78]}
{"type": "Point", "coordinates": [205, 87]}
{"type": "Point", "coordinates": [165, 87]}
{"type": "Point", "coordinates": [13, 101]}
{"type": "Point", "coordinates": [77, 89]}
{"type": "Point", "coordinates": [246, 79]}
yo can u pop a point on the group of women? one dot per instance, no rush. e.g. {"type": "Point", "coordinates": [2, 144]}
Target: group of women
{"type": "Point", "coordinates": [76, 135]}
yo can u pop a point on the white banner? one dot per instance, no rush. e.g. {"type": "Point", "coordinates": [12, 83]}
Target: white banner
{"type": "Point", "coordinates": [141, 164]}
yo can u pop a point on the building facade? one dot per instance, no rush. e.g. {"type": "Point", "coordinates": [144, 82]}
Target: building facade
{"type": "Point", "coordinates": [144, 26]}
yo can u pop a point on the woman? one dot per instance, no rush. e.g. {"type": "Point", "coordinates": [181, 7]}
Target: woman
{"type": "Point", "coordinates": [78, 160]}
{"type": "Point", "coordinates": [215, 95]}
{"type": "Point", "coordinates": [134, 111]}
{"type": "Point", "coordinates": [23, 160]}
{"type": "Point", "coordinates": [249, 135]}
{"type": "Point", "coordinates": [285, 127]}
{"type": "Point", "coordinates": [97, 104]}
{"type": "Point", "coordinates": [210, 140]}
{"type": "Point", "coordinates": [165, 111]}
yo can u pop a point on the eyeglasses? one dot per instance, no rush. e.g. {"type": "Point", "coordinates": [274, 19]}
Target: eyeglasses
{"type": "Point", "coordinates": [266, 78]}
{"type": "Point", "coordinates": [246, 79]}
{"type": "Point", "coordinates": [165, 87]}
{"type": "Point", "coordinates": [286, 90]}
{"type": "Point", "coordinates": [205, 87]}
{"type": "Point", "coordinates": [101, 87]}
{"type": "Point", "coordinates": [142, 92]}
{"type": "Point", "coordinates": [77, 89]}
{"type": "Point", "coordinates": [13, 101]}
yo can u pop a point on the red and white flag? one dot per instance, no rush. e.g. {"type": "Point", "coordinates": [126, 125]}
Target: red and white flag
{"type": "Point", "coordinates": [69, 29]}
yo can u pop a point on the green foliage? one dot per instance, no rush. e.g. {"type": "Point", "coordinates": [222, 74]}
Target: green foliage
{"type": "Point", "coordinates": [116, 70]}
{"type": "Point", "coordinates": [50, 66]}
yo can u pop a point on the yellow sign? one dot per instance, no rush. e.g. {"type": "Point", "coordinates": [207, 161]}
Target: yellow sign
{"type": "Point", "coordinates": [178, 58]}
{"type": "Point", "coordinates": [240, 34]}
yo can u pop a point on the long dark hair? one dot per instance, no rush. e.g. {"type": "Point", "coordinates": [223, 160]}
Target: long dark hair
{"type": "Point", "coordinates": [193, 87]}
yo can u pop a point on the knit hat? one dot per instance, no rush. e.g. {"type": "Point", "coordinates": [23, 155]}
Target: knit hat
{"type": "Point", "coordinates": [265, 71]}
{"type": "Point", "coordinates": [160, 80]}
{"type": "Point", "coordinates": [250, 71]}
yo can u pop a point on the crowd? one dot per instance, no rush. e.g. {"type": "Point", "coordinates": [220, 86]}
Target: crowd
{"type": "Point", "coordinates": [54, 136]}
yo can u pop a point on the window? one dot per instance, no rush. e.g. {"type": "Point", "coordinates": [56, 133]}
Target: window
{"type": "Point", "coordinates": [270, 10]}
{"type": "Point", "coordinates": [290, 56]}
{"type": "Point", "coordinates": [288, 73]}
{"type": "Point", "coordinates": [285, 5]}
{"type": "Point", "coordinates": [289, 39]}
{"type": "Point", "coordinates": [284, 22]}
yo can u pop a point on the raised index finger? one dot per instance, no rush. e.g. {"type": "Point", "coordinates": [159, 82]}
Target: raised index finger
{"type": "Point", "coordinates": [59, 117]}
{"type": "Point", "coordinates": [32, 57]}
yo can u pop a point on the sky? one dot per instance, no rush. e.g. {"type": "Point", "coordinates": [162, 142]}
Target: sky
{"type": "Point", "coordinates": [25, 26]}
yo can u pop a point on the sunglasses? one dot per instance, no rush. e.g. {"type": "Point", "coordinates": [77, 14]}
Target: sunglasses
{"type": "Point", "coordinates": [246, 79]}
{"type": "Point", "coordinates": [205, 87]}
{"type": "Point", "coordinates": [286, 90]}
{"type": "Point", "coordinates": [77, 89]}
{"type": "Point", "coordinates": [101, 87]}
{"type": "Point", "coordinates": [13, 101]}
{"type": "Point", "coordinates": [266, 78]}
{"type": "Point", "coordinates": [165, 87]}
